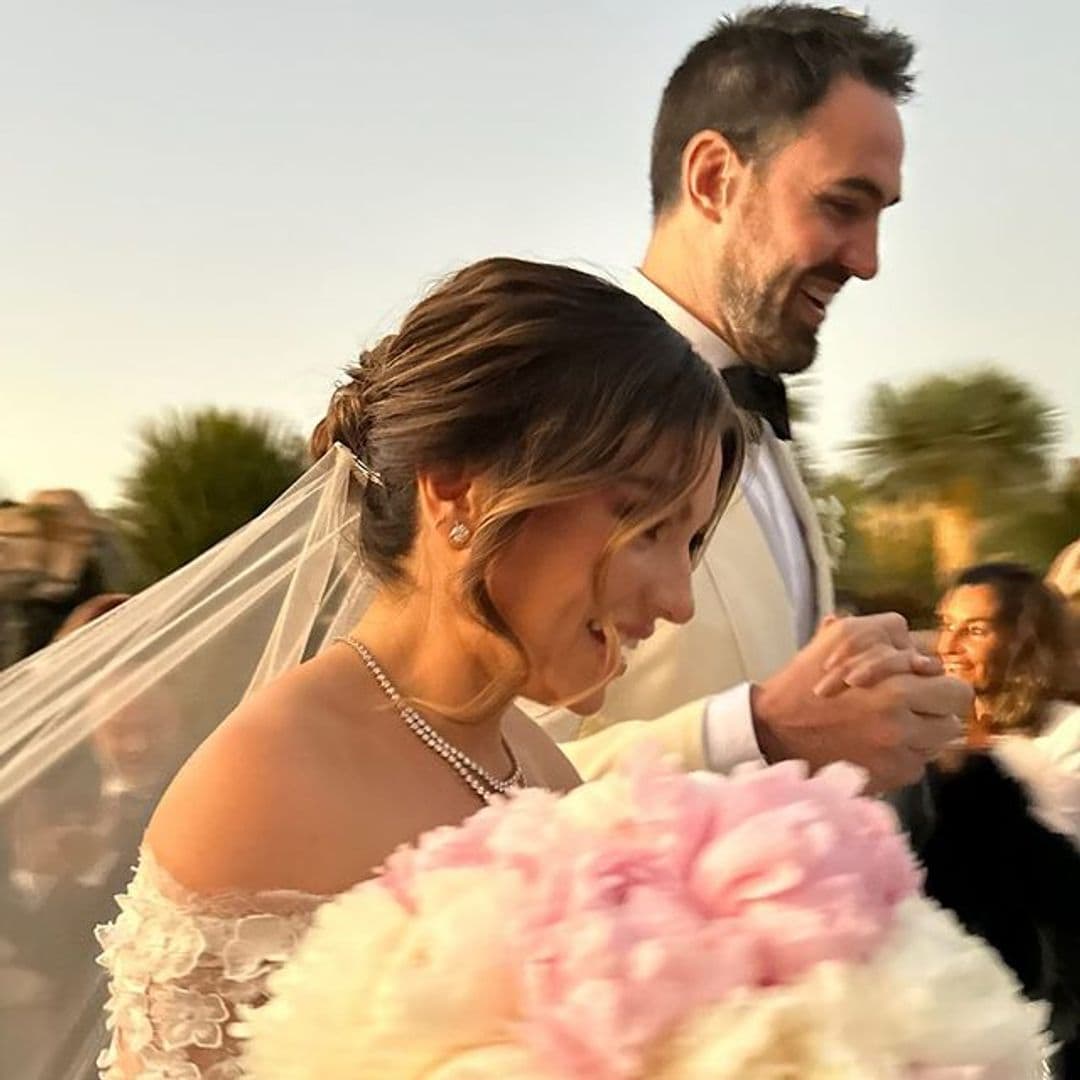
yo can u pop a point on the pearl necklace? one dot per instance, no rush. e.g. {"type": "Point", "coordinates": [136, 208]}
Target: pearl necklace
{"type": "Point", "coordinates": [471, 772]}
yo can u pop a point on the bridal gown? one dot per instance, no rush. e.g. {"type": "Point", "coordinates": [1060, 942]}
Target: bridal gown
{"type": "Point", "coordinates": [180, 963]}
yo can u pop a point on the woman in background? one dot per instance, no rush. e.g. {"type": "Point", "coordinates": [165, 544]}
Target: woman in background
{"type": "Point", "coordinates": [997, 822]}
{"type": "Point", "coordinates": [1006, 632]}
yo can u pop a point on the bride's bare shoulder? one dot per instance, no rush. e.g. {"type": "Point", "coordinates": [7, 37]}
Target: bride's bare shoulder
{"type": "Point", "coordinates": [270, 799]}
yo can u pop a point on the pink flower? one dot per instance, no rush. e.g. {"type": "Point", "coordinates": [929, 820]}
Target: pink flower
{"type": "Point", "coordinates": [645, 901]}
{"type": "Point", "coordinates": [810, 869]}
{"type": "Point", "coordinates": [650, 924]}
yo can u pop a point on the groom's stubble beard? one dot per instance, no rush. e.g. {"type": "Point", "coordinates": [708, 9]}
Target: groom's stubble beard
{"type": "Point", "coordinates": [756, 300]}
{"type": "Point", "coordinates": [765, 332]}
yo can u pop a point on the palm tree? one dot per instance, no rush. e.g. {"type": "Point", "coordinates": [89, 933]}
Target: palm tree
{"type": "Point", "coordinates": [200, 476]}
{"type": "Point", "coordinates": [957, 442]}
{"type": "Point", "coordinates": [1033, 529]}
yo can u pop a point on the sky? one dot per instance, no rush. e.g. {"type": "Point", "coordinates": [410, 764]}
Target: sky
{"type": "Point", "coordinates": [219, 203]}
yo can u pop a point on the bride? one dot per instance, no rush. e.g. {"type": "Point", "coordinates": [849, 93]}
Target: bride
{"type": "Point", "coordinates": [537, 458]}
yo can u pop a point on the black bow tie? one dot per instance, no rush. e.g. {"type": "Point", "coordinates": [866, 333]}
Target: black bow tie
{"type": "Point", "coordinates": [763, 394]}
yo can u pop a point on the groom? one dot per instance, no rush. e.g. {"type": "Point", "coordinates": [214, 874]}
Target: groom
{"type": "Point", "coordinates": [777, 148]}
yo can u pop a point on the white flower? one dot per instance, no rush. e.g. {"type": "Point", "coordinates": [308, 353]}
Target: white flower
{"type": "Point", "coordinates": [484, 1063]}
{"type": "Point", "coordinates": [154, 1065]}
{"type": "Point", "coordinates": [831, 513]}
{"type": "Point", "coordinates": [933, 998]}
{"type": "Point", "coordinates": [406, 994]}
{"type": "Point", "coordinates": [149, 942]}
{"type": "Point", "coordinates": [466, 969]}
{"type": "Point", "coordinates": [228, 1069]}
{"type": "Point", "coordinates": [187, 1018]}
{"type": "Point", "coordinates": [957, 999]}
{"type": "Point", "coordinates": [258, 943]}
{"type": "Point", "coordinates": [246, 993]}
{"type": "Point", "coordinates": [127, 1017]}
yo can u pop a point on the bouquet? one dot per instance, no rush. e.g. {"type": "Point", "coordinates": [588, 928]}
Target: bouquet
{"type": "Point", "coordinates": [651, 924]}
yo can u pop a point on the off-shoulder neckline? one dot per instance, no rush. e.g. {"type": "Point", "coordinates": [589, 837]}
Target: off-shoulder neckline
{"type": "Point", "coordinates": [155, 873]}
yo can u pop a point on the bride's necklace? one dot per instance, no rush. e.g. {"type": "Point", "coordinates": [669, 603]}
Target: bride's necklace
{"type": "Point", "coordinates": [474, 774]}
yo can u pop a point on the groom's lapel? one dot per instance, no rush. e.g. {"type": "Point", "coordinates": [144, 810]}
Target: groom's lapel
{"type": "Point", "coordinates": [751, 590]}
{"type": "Point", "coordinates": [809, 522]}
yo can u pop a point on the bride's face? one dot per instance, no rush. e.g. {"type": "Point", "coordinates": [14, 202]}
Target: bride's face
{"type": "Point", "coordinates": [543, 584]}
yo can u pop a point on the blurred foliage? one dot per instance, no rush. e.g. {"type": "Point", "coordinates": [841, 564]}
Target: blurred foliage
{"type": "Point", "coordinates": [947, 471]}
{"type": "Point", "coordinates": [955, 437]}
{"type": "Point", "coordinates": [957, 444]}
{"type": "Point", "coordinates": [1033, 527]}
{"type": "Point", "coordinates": [200, 475]}
{"type": "Point", "coordinates": [888, 563]}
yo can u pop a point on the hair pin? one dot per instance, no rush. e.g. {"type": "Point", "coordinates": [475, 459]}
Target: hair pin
{"type": "Point", "coordinates": [366, 471]}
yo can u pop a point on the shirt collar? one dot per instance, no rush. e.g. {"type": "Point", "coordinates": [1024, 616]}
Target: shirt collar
{"type": "Point", "coordinates": [707, 343]}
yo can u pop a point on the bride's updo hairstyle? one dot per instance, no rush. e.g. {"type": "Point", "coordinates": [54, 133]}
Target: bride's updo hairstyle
{"type": "Point", "coordinates": [549, 382]}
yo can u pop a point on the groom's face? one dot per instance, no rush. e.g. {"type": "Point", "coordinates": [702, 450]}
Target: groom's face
{"type": "Point", "coordinates": [804, 221]}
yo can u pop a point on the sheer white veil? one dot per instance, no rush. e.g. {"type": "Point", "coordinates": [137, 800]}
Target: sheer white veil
{"type": "Point", "coordinates": [93, 727]}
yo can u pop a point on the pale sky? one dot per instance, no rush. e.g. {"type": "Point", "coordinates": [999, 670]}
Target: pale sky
{"type": "Point", "coordinates": [218, 203]}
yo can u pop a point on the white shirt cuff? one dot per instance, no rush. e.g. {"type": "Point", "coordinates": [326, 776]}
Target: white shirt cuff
{"type": "Point", "coordinates": [729, 730]}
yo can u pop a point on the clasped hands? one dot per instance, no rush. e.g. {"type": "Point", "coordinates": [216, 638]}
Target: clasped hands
{"type": "Point", "coordinates": [861, 691]}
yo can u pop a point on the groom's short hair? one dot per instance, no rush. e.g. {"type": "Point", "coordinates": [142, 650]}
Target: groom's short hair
{"type": "Point", "coordinates": [756, 76]}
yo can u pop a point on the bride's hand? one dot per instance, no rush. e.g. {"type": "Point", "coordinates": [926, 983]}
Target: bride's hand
{"type": "Point", "coordinates": [872, 665]}
{"type": "Point", "coordinates": [887, 707]}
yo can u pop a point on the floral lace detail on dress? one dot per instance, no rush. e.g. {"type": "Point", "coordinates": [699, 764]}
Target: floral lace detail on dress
{"type": "Point", "coordinates": [179, 963]}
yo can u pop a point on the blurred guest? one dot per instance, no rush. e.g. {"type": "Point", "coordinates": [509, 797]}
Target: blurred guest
{"type": "Point", "coordinates": [997, 820]}
{"type": "Point", "coordinates": [51, 561]}
{"type": "Point", "coordinates": [134, 734]}
{"type": "Point", "coordinates": [135, 737]}
{"type": "Point", "coordinates": [54, 833]}
{"type": "Point", "coordinates": [56, 862]}
{"type": "Point", "coordinates": [1064, 575]}
{"type": "Point", "coordinates": [88, 611]}
{"type": "Point", "coordinates": [71, 838]}
{"type": "Point", "coordinates": [1006, 632]}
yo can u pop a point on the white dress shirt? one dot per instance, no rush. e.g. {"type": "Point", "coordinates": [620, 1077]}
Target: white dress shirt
{"type": "Point", "coordinates": [728, 724]}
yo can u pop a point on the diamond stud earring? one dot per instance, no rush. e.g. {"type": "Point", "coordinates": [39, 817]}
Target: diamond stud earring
{"type": "Point", "coordinates": [459, 535]}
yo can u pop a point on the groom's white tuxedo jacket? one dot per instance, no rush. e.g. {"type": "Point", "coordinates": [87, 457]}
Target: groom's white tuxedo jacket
{"type": "Point", "coordinates": [762, 584]}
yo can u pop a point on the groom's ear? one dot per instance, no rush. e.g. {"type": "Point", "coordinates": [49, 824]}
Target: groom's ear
{"type": "Point", "coordinates": [711, 174]}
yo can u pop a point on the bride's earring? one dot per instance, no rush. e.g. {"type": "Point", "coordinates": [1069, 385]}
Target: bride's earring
{"type": "Point", "coordinates": [459, 535]}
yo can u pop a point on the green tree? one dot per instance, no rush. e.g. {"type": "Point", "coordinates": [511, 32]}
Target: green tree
{"type": "Point", "coordinates": [200, 475]}
{"type": "Point", "coordinates": [959, 442]}
{"type": "Point", "coordinates": [1034, 528]}
{"type": "Point", "coordinates": [888, 559]}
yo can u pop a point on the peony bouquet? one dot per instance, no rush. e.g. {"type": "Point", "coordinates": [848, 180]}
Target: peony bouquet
{"type": "Point", "coordinates": [651, 924]}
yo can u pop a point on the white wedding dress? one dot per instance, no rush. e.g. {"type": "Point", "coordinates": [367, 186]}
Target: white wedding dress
{"type": "Point", "coordinates": [180, 963]}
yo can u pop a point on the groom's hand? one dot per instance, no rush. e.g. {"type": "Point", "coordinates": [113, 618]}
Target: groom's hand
{"type": "Point", "coordinates": [861, 692]}
{"type": "Point", "coordinates": [871, 648]}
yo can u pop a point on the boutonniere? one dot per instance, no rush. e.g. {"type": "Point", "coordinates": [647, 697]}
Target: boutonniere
{"type": "Point", "coordinates": [830, 511]}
